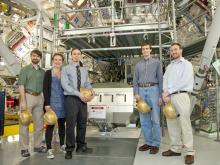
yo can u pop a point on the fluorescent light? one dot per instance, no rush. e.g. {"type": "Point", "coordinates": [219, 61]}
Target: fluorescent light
{"type": "Point", "coordinates": [2, 63]}
{"type": "Point", "coordinates": [79, 3]}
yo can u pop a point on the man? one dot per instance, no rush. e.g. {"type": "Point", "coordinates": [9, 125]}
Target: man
{"type": "Point", "coordinates": [30, 89]}
{"type": "Point", "coordinates": [178, 83]}
{"type": "Point", "coordinates": [148, 86]}
{"type": "Point", "coordinates": [73, 77]}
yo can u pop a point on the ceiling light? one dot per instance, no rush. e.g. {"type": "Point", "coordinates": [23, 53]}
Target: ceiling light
{"type": "Point", "coordinates": [80, 2]}
{"type": "Point", "coordinates": [2, 63]}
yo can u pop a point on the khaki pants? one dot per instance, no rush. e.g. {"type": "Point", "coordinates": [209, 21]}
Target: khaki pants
{"type": "Point", "coordinates": [180, 129]}
{"type": "Point", "coordinates": [35, 106]}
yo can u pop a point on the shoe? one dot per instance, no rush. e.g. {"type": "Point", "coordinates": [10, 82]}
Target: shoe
{"type": "Point", "coordinates": [84, 149]}
{"type": "Point", "coordinates": [68, 155]}
{"type": "Point", "coordinates": [170, 153]}
{"type": "Point", "coordinates": [189, 159]}
{"type": "Point", "coordinates": [25, 153]}
{"type": "Point", "coordinates": [63, 149]}
{"type": "Point", "coordinates": [154, 150]}
{"type": "Point", "coordinates": [41, 149]}
{"type": "Point", "coordinates": [145, 147]}
{"type": "Point", "coordinates": [50, 154]}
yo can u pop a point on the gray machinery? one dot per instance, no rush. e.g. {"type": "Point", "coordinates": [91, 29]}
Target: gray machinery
{"type": "Point", "coordinates": [111, 106]}
{"type": "Point", "coordinates": [10, 59]}
{"type": "Point", "coordinates": [208, 51]}
{"type": "Point", "coordinates": [206, 59]}
{"type": "Point", "coordinates": [11, 62]}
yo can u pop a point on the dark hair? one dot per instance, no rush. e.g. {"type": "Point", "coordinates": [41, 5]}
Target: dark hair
{"type": "Point", "coordinates": [76, 49]}
{"type": "Point", "coordinates": [80, 63]}
{"type": "Point", "coordinates": [146, 43]}
{"type": "Point", "coordinates": [58, 54]}
{"type": "Point", "coordinates": [176, 43]}
{"type": "Point", "coordinates": [36, 51]}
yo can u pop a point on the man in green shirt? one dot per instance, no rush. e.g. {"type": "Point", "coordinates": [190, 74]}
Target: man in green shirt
{"type": "Point", "coordinates": [30, 89]}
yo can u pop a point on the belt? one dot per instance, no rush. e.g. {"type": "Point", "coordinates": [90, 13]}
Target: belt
{"type": "Point", "coordinates": [33, 93]}
{"type": "Point", "coordinates": [177, 92]}
{"type": "Point", "coordinates": [147, 84]}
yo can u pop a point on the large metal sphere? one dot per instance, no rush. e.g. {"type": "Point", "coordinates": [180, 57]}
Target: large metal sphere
{"type": "Point", "coordinates": [169, 111]}
{"type": "Point", "coordinates": [50, 117]}
{"type": "Point", "coordinates": [87, 93]}
{"type": "Point", "coordinates": [24, 117]}
{"type": "Point", "coordinates": [142, 106]}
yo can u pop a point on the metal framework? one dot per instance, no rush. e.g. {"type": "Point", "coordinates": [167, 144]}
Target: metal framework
{"type": "Point", "coordinates": [117, 35]}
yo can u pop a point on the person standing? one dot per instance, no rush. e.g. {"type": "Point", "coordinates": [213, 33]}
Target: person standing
{"type": "Point", "coordinates": [177, 84]}
{"type": "Point", "coordinates": [30, 89]}
{"type": "Point", "coordinates": [74, 77]}
{"type": "Point", "coordinates": [147, 83]}
{"type": "Point", "coordinates": [54, 99]}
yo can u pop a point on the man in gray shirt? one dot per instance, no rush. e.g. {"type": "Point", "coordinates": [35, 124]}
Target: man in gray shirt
{"type": "Point", "coordinates": [73, 77]}
{"type": "Point", "coordinates": [147, 81]}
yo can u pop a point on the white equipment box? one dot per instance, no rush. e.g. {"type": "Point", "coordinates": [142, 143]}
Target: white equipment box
{"type": "Point", "coordinates": [115, 103]}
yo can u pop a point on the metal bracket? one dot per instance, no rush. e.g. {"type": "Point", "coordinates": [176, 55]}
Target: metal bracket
{"type": "Point", "coordinates": [112, 39]}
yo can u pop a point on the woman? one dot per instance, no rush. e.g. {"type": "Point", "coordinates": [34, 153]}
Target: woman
{"type": "Point", "coordinates": [54, 98]}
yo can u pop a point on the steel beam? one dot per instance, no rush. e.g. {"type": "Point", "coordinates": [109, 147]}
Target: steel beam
{"type": "Point", "coordinates": [11, 62]}
{"type": "Point", "coordinates": [118, 28]}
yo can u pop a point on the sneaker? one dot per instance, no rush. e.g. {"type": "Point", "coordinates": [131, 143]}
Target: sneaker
{"type": "Point", "coordinates": [50, 154]}
{"type": "Point", "coordinates": [25, 153]}
{"type": "Point", "coordinates": [41, 149]}
{"type": "Point", "coordinates": [63, 149]}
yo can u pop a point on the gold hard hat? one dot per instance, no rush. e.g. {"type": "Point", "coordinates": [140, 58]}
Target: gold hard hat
{"type": "Point", "coordinates": [24, 117]}
{"type": "Point", "coordinates": [87, 93]}
{"type": "Point", "coordinates": [169, 111]}
{"type": "Point", "coordinates": [50, 117]}
{"type": "Point", "coordinates": [142, 106]}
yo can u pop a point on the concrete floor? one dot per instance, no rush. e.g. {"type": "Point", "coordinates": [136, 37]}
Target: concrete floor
{"type": "Point", "coordinates": [119, 148]}
{"type": "Point", "coordinates": [207, 153]}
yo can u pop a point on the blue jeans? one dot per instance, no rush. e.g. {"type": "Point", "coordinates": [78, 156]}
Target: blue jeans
{"type": "Point", "coordinates": [150, 122]}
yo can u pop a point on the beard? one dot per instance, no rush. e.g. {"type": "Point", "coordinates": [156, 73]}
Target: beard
{"type": "Point", "coordinates": [34, 61]}
{"type": "Point", "coordinates": [175, 57]}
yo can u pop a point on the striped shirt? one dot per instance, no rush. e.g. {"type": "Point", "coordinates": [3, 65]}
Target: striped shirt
{"type": "Point", "coordinates": [148, 71]}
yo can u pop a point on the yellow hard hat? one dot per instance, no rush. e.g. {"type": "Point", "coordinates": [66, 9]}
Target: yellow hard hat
{"type": "Point", "coordinates": [4, 7]}
{"type": "Point", "coordinates": [169, 111]}
{"type": "Point", "coordinates": [24, 117]}
{"type": "Point", "coordinates": [50, 117]}
{"type": "Point", "coordinates": [142, 106]}
{"type": "Point", "coordinates": [87, 93]}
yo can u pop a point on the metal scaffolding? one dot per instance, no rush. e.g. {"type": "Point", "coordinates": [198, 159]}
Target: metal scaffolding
{"type": "Point", "coordinates": [115, 31]}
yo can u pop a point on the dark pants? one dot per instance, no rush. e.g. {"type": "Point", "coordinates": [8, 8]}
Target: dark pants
{"type": "Point", "coordinates": [76, 112]}
{"type": "Point", "coordinates": [49, 132]}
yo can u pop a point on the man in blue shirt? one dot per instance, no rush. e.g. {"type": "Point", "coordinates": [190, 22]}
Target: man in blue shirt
{"type": "Point", "coordinates": [148, 86]}
{"type": "Point", "coordinates": [73, 77]}
{"type": "Point", "coordinates": [177, 84]}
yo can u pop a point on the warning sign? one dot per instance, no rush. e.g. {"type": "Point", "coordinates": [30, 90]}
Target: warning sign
{"type": "Point", "coordinates": [97, 111]}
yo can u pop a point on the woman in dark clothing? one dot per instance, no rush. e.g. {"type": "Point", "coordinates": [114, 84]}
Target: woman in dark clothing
{"type": "Point", "coordinates": [54, 98]}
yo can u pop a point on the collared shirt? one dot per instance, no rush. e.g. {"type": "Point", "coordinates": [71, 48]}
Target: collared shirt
{"type": "Point", "coordinates": [179, 76]}
{"type": "Point", "coordinates": [148, 71]}
{"type": "Point", "coordinates": [31, 78]}
{"type": "Point", "coordinates": [69, 79]}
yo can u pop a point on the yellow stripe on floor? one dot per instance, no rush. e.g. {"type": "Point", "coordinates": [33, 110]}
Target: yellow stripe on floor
{"type": "Point", "coordinates": [14, 130]}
